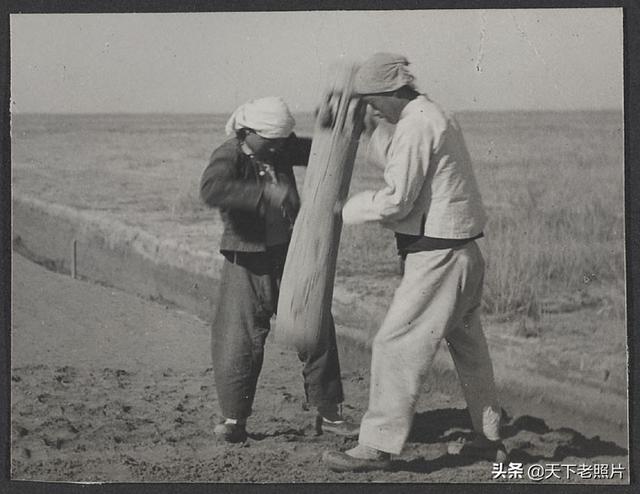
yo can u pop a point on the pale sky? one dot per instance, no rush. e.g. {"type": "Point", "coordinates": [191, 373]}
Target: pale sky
{"type": "Point", "coordinates": [547, 59]}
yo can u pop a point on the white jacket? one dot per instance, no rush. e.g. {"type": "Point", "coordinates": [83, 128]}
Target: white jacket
{"type": "Point", "coordinates": [430, 186]}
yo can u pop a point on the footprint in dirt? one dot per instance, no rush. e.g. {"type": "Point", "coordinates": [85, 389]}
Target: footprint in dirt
{"type": "Point", "coordinates": [59, 433]}
{"type": "Point", "coordinates": [65, 375]}
{"type": "Point", "coordinates": [284, 435]}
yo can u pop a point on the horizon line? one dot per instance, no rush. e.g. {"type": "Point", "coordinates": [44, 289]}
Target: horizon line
{"type": "Point", "coordinates": [168, 112]}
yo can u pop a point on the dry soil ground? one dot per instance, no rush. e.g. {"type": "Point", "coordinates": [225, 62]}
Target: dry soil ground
{"type": "Point", "coordinates": [109, 387]}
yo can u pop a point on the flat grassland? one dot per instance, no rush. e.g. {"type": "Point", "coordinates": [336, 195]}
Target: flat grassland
{"type": "Point", "coordinates": [552, 182]}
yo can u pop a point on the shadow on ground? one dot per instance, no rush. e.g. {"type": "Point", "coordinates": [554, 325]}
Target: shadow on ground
{"type": "Point", "coordinates": [527, 439]}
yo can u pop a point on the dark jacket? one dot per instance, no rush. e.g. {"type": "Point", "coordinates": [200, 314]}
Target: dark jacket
{"type": "Point", "coordinates": [233, 184]}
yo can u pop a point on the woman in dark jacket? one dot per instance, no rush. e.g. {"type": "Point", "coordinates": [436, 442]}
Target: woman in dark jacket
{"type": "Point", "coordinates": [250, 179]}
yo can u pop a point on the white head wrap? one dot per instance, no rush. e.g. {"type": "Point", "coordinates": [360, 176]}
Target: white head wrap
{"type": "Point", "coordinates": [383, 72]}
{"type": "Point", "coordinates": [268, 117]}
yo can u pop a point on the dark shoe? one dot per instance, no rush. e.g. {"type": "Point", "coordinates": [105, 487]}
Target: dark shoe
{"type": "Point", "coordinates": [479, 448]}
{"type": "Point", "coordinates": [342, 462]}
{"type": "Point", "coordinates": [339, 427]}
{"type": "Point", "coordinates": [231, 433]}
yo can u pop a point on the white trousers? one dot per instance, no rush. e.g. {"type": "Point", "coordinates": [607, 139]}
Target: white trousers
{"type": "Point", "coordinates": [438, 297]}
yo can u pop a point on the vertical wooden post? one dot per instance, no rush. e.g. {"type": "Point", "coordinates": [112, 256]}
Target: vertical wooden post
{"type": "Point", "coordinates": [307, 284]}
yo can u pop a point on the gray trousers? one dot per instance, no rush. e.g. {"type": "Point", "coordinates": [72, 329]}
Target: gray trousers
{"type": "Point", "coordinates": [438, 298]}
{"type": "Point", "coordinates": [249, 289]}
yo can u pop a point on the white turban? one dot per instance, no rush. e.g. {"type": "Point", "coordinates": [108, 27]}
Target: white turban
{"type": "Point", "coordinates": [268, 117]}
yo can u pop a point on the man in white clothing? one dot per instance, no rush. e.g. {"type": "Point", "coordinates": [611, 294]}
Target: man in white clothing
{"type": "Point", "coordinates": [432, 203]}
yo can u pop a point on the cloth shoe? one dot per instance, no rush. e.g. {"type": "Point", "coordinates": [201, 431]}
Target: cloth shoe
{"type": "Point", "coordinates": [340, 427]}
{"type": "Point", "coordinates": [231, 432]}
{"type": "Point", "coordinates": [359, 459]}
{"type": "Point", "coordinates": [330, 419]}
